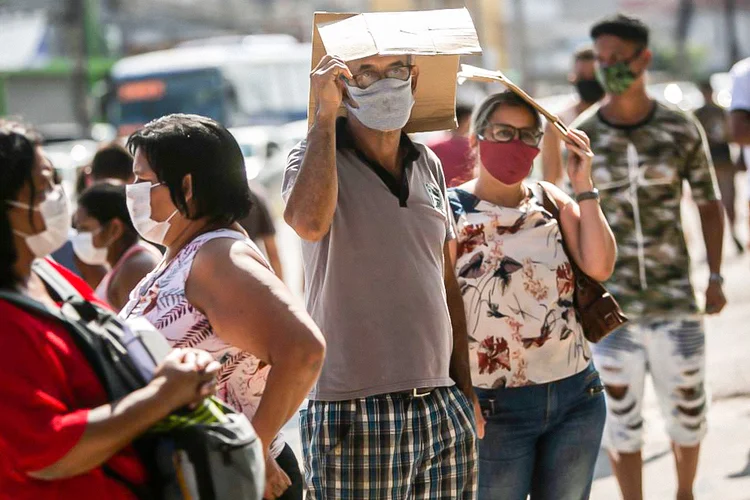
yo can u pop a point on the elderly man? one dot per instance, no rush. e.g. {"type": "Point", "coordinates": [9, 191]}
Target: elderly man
{"type": "Point", "coordinates": [391, 416]}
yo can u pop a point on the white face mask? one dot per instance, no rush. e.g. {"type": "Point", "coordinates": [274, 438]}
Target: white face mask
{"type": "Point", "coordinates": [138, 198]}
{"type": "Point", "coordinates": [83, 246]}
{"type": "Point", "coordinates": [56, 216]}
{"type": "Point", "coordinates": [385, 105]}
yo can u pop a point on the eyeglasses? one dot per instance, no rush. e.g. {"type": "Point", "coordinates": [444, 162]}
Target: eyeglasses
{"type": "Point", "coordinates": [370, 76]}
{"type": "Point", "coordinates": [500, 132]}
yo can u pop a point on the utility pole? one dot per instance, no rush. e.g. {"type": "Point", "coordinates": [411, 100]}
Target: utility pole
{"type": "Point", "coordinates": [76, 31]}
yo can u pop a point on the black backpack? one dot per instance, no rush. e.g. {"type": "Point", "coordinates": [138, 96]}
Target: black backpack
{"type": "Point", "coordinates": [197, 461]}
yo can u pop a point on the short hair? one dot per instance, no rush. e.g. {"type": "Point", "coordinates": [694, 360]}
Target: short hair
{"type": "Point", "coordinates": [463, 111]}
{"type": "Point", "coordinates": [585, 53]}
{"type": "Point", "coordinates": [177, 145]}
{"type": "Point", "coordinates": [490, 104]}
{"type": "Point", "coordinates": [105, 202]}
{"type": "Point", "coordinates": [622, 26]}
{"type": "Point", "coordinates": [112, 162]}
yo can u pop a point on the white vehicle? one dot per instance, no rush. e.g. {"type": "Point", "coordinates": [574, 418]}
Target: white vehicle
{"type": "Point", "coordinates": [246, 81]}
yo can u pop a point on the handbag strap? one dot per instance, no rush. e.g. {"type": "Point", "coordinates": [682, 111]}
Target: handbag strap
{"type": "Point", "coordinates": [550, 205]}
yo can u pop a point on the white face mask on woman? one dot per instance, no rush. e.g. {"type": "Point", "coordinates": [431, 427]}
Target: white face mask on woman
{"type": "Point", "coordinates": [138, 198]}
{"type": "Point", "coordinates": [56, 216]}
{"type": "Point", "coordinates": [83, 246]}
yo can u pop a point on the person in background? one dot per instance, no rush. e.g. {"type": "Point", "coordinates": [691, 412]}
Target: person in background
{"type": "Point", "coordinates": [113, 164]}
{"type": "Point", "coordinates": [589, 91]}
{"type": "Point", "coordinates": [453, 150]}
{"type": "Point", "coordinates": [106, 237]}
{"type": "Point", "coordinates": [526, 345]}
{"type": "Point", "coordinates": [740, 111]}
{"type": "Point", "coordinates": [112, 161]}
{"type": "Point", "coordinates": [260, 228]}
{"type": "Point", "coordinates": [644, 151]}
{"type": "Point", "coordinates": [393, 414]}
{"type": "Point", "coordinates": [213, 290]}
{"type": "Point", "coordinates": [715, 122]}
{"type": "Point", "coordinates": [60, 436]}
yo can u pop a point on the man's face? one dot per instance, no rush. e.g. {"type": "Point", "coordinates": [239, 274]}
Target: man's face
{"type": "Point", "coordinates": [368, 70]}
{"type": "Point", "coordinates": [611, 49]}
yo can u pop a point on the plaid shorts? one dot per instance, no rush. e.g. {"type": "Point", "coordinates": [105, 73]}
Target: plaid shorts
{"type": "Point", "coordinates": [391, 446]}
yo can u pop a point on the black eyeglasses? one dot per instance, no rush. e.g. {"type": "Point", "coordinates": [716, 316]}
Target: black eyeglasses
{"type": "Point", "coordinates": [370, 76]}
{"type": "Point", "coordinates": [500, 132]}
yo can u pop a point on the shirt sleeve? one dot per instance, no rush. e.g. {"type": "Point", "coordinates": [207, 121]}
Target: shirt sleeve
{"type": "Point", "coordinates": [741, 87]}
{"type": "Point", "coordinates": [37, 425]}
{"type": "Point", "coordinates": [293, 164]}
{"type": "Point", "coordinates": [450, 231]}
{"type": "Point", "coordinates": [699, 169]}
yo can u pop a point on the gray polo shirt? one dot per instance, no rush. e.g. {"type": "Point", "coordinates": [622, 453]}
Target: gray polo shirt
{"type": "Point", "coordinates": [374, 283]}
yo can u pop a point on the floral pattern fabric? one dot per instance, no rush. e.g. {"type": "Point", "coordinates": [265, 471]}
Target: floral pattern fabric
{"type": "Point", "coordinates": [160, 298]}
{"type": "Point", "coordinates": [517, 285]}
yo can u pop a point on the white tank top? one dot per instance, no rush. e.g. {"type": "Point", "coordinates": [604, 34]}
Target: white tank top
{"type": "Point", "coordinates": [160, 298]}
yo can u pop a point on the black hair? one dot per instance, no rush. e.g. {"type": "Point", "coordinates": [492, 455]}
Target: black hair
{"type": "Point", "coordinates": [112, 161]}
{"type": "Point", "coordinates": [177, 145]}
{"type": "Point", "coordinates": [491, 103]}
{"type": "Point", "coordinates": [622, 26]}
{"type": "Point", "coordinates": [585, 53]}
{"type": "Point", "coordinates": [17, 155]}
{"type": "Point", "coordinates": [105, 202]}
{"type": "Point", "coordinates": [463, 111]}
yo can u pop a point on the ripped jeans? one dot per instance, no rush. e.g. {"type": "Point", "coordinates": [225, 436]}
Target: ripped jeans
{"type": "Point", "coordinates": [673, 350]}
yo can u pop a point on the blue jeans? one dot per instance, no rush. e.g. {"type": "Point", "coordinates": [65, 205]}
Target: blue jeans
{"type": "Point", "coordinates": [541, 440]}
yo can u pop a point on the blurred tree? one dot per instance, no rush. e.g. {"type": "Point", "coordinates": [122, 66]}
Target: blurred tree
{"type": "Point", "coordinates": [733, 47]}
{"type": "Point", "coordinates": [685, 11]}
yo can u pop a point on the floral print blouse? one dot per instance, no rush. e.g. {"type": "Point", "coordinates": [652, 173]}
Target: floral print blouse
{"type": "Point", "coordinates": [517, 286]}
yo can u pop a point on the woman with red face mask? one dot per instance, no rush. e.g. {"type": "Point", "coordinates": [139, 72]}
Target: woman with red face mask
{"type": "Point", "coordinates": [540, 394]}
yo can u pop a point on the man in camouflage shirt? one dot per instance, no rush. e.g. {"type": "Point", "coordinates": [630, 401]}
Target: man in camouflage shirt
{"type": "Point", "coordinates": [644, 151]}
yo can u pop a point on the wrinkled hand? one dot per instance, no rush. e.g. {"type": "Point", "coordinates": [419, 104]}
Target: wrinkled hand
{"type": "Point", "coordinates": [186, 377]}
{"type": "Point", "coordinates": [327, 86]}
{"type": "Point", "coordinates": [479, 417]}
{"type": "Point", "coordinates": [277, 481]}
{"type": "Point", "coordinates": [715, 300]}
{"type": "Point", "coordinates": [579, 161]}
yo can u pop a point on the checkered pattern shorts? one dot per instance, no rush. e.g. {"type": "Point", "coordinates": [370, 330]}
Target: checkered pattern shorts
{"type": "Point", "coordinates": [391, 446]}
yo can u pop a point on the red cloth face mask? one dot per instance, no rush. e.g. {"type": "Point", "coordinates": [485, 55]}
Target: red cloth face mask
{"type": "Point", "coordinates": [508, 162]}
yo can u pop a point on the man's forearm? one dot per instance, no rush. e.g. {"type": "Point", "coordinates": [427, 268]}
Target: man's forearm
{"type": "Point", "coordinates": [312, 201]}
{"type": "Point", "coordinates": [712, 224]}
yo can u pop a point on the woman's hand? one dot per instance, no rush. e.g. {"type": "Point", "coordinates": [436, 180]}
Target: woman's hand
{"type": "Point", "coordinates": [186, 377]}
{"type": "Point", "coordinates": [580, 157]}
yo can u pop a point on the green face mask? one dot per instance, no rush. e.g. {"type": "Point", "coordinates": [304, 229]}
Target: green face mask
{"type": "Point", "coordinates": [618, 77]}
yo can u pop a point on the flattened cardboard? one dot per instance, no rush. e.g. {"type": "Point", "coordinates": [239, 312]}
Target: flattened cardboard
{"type": "Point", "coordinates": [469, 72]}
{"type": "Point", "coordinates": [436, 39]}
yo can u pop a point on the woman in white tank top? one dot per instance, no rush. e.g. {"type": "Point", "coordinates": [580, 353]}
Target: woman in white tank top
{"type": "Point", "coordinates": [212, 289]}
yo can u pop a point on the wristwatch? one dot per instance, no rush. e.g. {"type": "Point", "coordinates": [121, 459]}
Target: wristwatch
{"type": "Point", "coordinates": [716, 278]}
{"type": "Point", "coordinates": [588, 195]}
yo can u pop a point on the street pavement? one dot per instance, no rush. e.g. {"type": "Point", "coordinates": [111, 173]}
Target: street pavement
{"type": "Point", "coordinates": [724, 471]}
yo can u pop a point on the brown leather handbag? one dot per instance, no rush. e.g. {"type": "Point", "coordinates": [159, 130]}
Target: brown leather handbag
{"type": "Point", "coordinates": [598, 311]}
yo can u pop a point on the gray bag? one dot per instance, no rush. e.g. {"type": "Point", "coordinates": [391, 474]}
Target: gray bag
{"type": "Point", "coordinates": [190, 457]}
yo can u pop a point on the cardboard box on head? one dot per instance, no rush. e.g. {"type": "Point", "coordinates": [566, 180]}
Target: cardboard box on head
{"type": "Point", "coordinates": [435, 39]}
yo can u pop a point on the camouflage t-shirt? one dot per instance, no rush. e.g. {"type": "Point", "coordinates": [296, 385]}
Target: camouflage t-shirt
{"type": "Point", "coordinates": [639, 171]}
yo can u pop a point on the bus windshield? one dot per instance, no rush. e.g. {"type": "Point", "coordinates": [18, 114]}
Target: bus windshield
{"type": "Point", "coordinates": [143, 99]}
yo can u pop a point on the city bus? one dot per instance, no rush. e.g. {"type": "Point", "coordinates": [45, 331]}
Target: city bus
{"type": "Point", "coordinates": [241, 82]}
